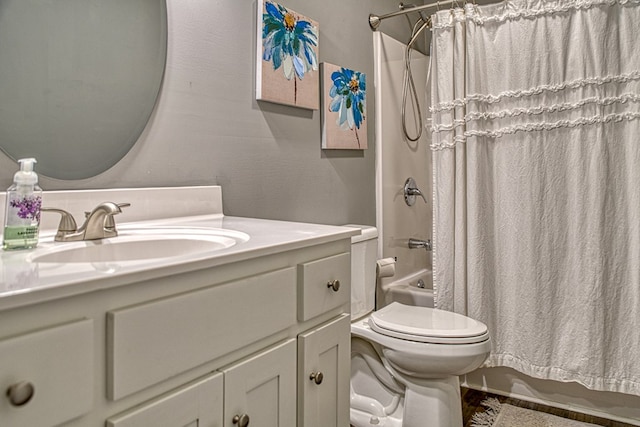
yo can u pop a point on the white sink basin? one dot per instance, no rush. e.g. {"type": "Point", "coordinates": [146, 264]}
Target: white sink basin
{"type": "Point", "coordinates": [139, 244]}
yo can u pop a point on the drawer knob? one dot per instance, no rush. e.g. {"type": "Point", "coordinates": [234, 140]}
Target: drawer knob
{"type": "Point", "coordinates": [334, 285]}
{"type": "Point", "coordinates": [241, 420]}
{"type": "Point", "coordinates": [20, 393]}
{"type": "Point", "coordinates": [316, 377]}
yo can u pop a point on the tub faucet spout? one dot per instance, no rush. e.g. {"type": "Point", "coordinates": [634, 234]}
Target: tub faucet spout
{"type": "Point", "coordinates": [419, 244]}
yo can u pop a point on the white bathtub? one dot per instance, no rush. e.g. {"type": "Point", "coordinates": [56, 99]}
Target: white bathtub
{"type": "Point", "coordinates": [408, 290]}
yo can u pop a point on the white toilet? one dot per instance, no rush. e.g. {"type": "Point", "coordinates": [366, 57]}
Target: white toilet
{"type": "Point", "coordinates": [405, 360]}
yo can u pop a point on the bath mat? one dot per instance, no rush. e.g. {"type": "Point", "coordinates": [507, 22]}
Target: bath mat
{"type": "Point", "coordinates": [505, 415]}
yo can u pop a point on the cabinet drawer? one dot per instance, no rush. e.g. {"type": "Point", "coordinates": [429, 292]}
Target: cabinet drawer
{"type": "Point", "coordinates": [58, 364]}
{"type": "Point", "coordinates": [316, 286]}
{"type": "Point", "coordinates": [151, 342]}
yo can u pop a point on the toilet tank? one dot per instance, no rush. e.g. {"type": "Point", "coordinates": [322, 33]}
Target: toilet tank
{"type": "Point", "coordinates": [364, 254]}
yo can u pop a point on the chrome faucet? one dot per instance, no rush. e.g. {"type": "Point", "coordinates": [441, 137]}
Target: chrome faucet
{"type": "Point", "coordinates": [410, 191]}
{"type": "Point", "coordinates": [419, 244]}
{"type": "Point", "coordinates": [99, 223]}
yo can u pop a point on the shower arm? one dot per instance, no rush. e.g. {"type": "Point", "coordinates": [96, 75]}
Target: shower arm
{"type": "Point", "coordinates": [374, 20]}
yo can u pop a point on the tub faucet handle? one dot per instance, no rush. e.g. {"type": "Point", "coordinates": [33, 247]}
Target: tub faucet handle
{"type": "Point", "coordinates": [411, 191]}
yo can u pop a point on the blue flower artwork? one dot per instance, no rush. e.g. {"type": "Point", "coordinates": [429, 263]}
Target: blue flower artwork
{"type": "Point", "coordinates": [288, 50]}
{"type": "Point", "coordinates": [344, 93]}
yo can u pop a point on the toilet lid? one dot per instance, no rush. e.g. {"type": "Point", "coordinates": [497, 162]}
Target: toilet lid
{"type": "Point", "coordinates": [424, 324]}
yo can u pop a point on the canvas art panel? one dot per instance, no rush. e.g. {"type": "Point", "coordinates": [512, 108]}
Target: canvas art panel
{"type": "Point", "coordinates": [344, 109]}
{"type": "Point", "coordinates": [287, 57]}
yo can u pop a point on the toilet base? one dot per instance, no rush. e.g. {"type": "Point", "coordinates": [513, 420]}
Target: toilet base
{"type": "Point", "coordinates": [434, 402]}
{"type": "Point", "coordinates": [383, 396]}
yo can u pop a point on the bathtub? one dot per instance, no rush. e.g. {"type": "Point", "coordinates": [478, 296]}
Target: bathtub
{"type": "Point", "coordinates": [408, 290]}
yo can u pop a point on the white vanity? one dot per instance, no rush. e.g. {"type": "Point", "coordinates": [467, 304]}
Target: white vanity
{"type": "Point", "coordinates": [255, 333]}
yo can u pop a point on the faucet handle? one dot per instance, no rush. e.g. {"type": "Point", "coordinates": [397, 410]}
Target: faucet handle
{"type": "Point", "coordinates": [119, 205]}
{"type": "Point", "coordinates": [67, 222]}
{"type": "Point", "coordinates": [109, 222]}
{"type": "Point", "coordinates": [411, 191]}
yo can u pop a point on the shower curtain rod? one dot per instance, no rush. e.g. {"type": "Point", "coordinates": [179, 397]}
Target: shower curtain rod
{"type": "Point", "coordinates": [374, 20]}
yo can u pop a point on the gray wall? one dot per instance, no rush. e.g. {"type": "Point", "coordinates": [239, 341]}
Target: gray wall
{"type": "Point", "coordinates": [208, 128]}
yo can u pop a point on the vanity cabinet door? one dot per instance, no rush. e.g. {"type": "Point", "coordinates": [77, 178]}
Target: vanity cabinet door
{"type": "Point", "coordinates": [261, 390]}
{"type": "Point", "coordinates": [324, 374]}
{"type": "Point", "coordinates": [198, 404]}
{"type": "Point", "coordinates": [46, 376]}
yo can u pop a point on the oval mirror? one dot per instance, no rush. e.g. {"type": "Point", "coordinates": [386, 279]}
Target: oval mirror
{"type": "Point", "coordinates": [78, 80]}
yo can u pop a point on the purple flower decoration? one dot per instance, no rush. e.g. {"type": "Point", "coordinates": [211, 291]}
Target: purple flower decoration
{"type": "Point", "coordinates": [28, 207]}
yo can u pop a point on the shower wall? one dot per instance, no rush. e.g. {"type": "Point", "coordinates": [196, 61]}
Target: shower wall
{"type": "Point", "coordinates": [398, 159]}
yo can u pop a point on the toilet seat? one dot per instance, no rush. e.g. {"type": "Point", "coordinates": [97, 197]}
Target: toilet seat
{"type": "Point", "coordinates": [427, 325]}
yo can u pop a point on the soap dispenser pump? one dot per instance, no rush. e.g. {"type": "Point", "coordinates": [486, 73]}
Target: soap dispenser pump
{"type": "Point", "coordinates": [22, 213]}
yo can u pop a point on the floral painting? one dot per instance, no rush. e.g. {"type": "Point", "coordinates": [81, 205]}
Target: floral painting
{"type": "Point", "coordinates": [287, 62]}
{"type": "Point", "coordinates": [344, 108]}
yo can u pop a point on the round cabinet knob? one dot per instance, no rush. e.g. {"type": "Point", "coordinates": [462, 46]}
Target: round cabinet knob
{"type": "Point", "coordinates": [241, 420]}
{"type": "Point", "coordinates": [316, 377]}
{"type": "Point", "coordinates": [334, 285]}
{"type": "Point", "coordinates": [20, 393]}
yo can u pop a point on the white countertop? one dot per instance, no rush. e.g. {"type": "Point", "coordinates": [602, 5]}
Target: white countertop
{"type": "Point", "coordinates": [24, 282]}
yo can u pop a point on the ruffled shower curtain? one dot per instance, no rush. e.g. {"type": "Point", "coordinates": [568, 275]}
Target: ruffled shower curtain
{"type": "Point", "coordinates": [536, 147]}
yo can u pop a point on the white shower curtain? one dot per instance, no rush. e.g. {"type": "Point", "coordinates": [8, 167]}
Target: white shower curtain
{"type": "Point", "coordinates": [536, 147]}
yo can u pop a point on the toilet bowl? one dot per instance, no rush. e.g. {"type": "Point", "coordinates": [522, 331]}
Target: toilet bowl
{"type": "Point", "coordinates": [405, 360]}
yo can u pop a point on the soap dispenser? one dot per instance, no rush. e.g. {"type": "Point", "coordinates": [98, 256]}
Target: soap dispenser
{"type": "Point", "coordinates": [22, 213]}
